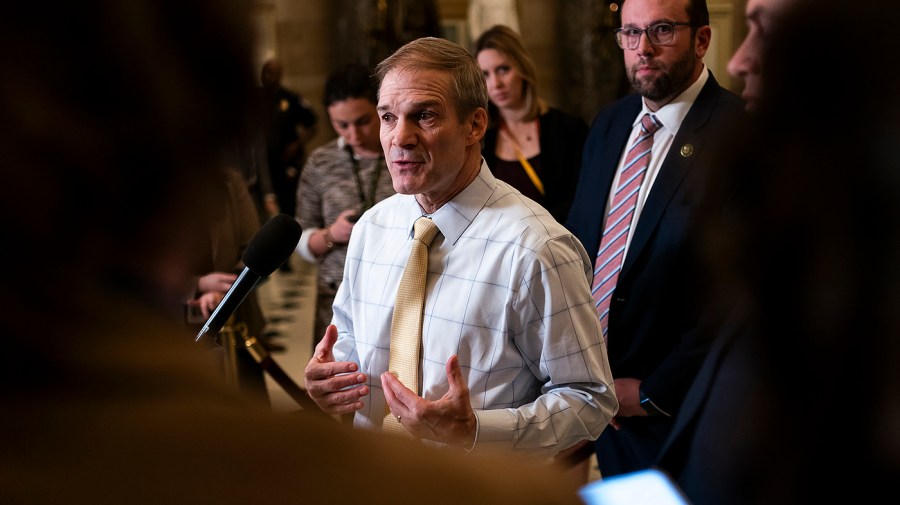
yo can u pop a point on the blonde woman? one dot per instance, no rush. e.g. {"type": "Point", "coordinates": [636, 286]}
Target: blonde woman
{"type": "Point", "coordinates": [534, 147]}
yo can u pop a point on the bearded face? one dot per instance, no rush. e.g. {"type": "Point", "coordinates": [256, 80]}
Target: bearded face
{"type": "Point", "coordinates": [669, 79]}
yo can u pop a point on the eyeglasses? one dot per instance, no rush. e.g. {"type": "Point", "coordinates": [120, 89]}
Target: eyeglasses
{"type": "Point", "coordinates": [660, 34]}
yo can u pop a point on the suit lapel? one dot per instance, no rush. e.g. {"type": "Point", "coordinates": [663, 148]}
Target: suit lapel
{"type": "Point", "coordinates": [698, 394]}
{"type": "Point", "coordinates": [675, 167]}
{"type": "Point", "coordinates": [611, 145]}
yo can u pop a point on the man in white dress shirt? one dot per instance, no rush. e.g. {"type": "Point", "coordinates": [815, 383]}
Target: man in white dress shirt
{"type": "Point", "coordinates": [512, 356]}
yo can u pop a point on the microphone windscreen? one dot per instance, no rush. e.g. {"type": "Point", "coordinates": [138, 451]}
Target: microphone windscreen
{"type": "Point", "coordinates": [272, 244]}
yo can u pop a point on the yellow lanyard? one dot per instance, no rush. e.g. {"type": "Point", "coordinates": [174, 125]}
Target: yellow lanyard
{"type": "Point", "coordinates": [524, 162]}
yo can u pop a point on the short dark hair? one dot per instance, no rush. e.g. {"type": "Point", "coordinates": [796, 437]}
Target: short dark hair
{"type": "Point", "coordinates": [698, 13]}
{"type": "Point", "coordinates": [351, 80]}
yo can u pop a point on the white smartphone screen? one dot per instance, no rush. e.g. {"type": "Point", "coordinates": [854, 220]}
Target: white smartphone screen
{"type": "Point", "coordinates": [645, 487]}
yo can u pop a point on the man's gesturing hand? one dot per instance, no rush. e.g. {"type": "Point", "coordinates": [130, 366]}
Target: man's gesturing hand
{"type": "Point", "coordinates": [450, 420]}
{"type": "Point", "coordinates": [334, 386]}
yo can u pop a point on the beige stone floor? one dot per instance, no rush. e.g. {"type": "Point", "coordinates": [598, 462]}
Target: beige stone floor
{"type": "Point", "coordinates": [288, 301]}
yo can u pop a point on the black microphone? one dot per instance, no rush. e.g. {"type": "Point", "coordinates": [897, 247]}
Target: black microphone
{"type": "Point", "coordinates": [270, 246]}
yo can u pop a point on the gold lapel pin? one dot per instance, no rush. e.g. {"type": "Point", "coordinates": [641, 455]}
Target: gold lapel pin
{"type": "Point", "coordinates": [687, 150]}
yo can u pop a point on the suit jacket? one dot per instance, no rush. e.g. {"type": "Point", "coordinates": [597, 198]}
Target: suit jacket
{"type": "Point", "coordinates": [717, 443]}
{"type": "Point", "coordinates": [654, 311]}
{"type": "Point", "coordinates": [562, 139]}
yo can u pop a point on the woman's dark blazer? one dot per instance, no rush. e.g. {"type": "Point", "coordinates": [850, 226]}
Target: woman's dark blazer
{"type": "Point", "coordinates": [562, 138]}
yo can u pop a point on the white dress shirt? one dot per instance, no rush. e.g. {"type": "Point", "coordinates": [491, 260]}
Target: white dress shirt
{"type": "Point", "coordinates": [508, 291]}
{"type": "Point", "coordinates": [671, 115]}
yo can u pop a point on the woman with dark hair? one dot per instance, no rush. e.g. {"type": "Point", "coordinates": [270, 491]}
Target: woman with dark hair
{"type": "Point", "coordinates": [529, 144]}
{"type": "Point", "coordinates": [340, 180]}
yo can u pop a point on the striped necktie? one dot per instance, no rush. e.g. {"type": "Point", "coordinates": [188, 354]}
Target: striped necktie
{"type": "Point", "coordinates": [618, 221]}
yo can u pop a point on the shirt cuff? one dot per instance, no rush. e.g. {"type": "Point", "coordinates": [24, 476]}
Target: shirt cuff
{"type": "Point", "coordinates": [477, 426]}
{"type": "Point", "coordinates": [495, 429]}
{"type": "Point", "coordinates": [303, 245]}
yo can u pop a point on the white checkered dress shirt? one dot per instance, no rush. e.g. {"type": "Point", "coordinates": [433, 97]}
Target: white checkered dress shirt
{"type": "Point", "coordinates": [509, 292]}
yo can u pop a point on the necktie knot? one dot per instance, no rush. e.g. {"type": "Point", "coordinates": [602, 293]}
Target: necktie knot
{"type": "Point", "coordinates": [424, 230]}
{"type": "Point", "coordinates": [650, 124]}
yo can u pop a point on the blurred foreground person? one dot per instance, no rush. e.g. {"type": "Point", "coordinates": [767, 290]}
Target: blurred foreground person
{"type": "Point", "coordinates": [799, 398]}
{"type": "Point", "coordinates": [116, 127]}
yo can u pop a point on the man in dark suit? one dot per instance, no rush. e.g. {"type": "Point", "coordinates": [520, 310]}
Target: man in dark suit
{"type": "Point", "coordinates": [729, 401]}
{"type": "Point", "coordinates": [288, 122]}
{"type": "Point", "coordinates": [636, 225]}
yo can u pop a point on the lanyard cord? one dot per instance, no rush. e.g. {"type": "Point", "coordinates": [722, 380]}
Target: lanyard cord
{"type": "Point", "coordinates": [363, 199]}
{"type": "Point", "coordinates": [532, 174]}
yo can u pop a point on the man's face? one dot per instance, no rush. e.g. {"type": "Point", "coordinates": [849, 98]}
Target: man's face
{"type": "Point", "coordinates": [424, 142]}
{"type": "Point", "coordinates": [660, 73]}
{"type": "Point", "coordinates": [746, 63]}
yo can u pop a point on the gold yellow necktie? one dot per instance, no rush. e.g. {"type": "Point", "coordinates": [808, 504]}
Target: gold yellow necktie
{"type": "Point", "coordinates": [406, 326]}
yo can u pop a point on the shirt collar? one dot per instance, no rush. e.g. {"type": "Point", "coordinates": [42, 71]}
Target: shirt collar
{"type": "Point", "coordinates": [455, 216]}
{"type": "Point", "coordinates": [672, 114]}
